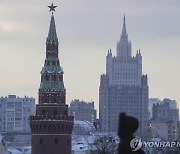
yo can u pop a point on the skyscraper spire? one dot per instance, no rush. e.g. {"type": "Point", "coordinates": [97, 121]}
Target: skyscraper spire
{"type": "Point", "coordinates": [123, 45]}
{"type": "Point", "coordinates": [124, 33]}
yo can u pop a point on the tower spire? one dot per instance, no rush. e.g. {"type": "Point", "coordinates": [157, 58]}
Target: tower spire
{"type": "Point", "coordinates": [124, 33]}
{"type": "Point", "coordinates": [52, 39]}
{"type": "Point", "coordinates": [123, 45]}
{"type": "Point", "coordinates": [52, 36]}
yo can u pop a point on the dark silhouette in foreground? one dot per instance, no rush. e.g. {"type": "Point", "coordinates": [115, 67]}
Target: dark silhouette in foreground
{"type": "Point", "coordinates": [128, 143]}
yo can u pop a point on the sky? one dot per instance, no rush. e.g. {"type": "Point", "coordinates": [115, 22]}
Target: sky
{"type": "Point", "coordinates": [87, 29]}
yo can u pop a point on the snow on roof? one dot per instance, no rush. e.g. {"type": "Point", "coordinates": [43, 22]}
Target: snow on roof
{"type": "Point", "coordinates": [85, 127]}
{"type": "Point", "coordinates": [14, 151]}
{"type": "Point", "coordinates": [19, 150]}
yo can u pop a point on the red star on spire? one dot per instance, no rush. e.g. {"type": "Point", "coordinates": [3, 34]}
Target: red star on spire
{"type": "Point", "coordinates": [52, 8]}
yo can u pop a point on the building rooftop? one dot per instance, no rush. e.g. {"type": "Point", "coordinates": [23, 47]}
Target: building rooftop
{"type": "Point", "coordinates": [83, 127]}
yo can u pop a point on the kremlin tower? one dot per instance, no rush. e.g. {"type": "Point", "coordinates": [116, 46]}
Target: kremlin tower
{"type": "Point", "coordinates": [51, 127]}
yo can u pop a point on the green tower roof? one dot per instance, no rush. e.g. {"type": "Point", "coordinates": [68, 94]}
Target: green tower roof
{"type": "Point", "coordinates": [52, 36]}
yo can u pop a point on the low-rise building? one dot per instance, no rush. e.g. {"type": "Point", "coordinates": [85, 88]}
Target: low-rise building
{"type": "Point", "coordinates": [150, 105]}
{"type": "Point", "coordinates": [82, 110]}
{"type": "Point", "coordinates": [83, 127]}
{"type": "Point", "coordinates": [166, 110]}
{"type": "Point", "coordinates": [164, 122]}
{"type": "Point", "coordinates": [15, 112]}
{"type": "Point", "coordinates": [164, 129]}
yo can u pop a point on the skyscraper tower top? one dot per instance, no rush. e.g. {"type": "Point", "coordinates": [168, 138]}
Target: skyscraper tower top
{"type": "Point", "coordinates": [124, 69]}
{"type": "Point", "coordinates": [124, 33]}
{"type": "Point", "coordinates": [124, 45]}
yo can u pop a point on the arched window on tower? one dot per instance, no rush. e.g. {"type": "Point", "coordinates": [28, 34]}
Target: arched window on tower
{"type": "Point", "coordinates": [44, 128]}
{"type": "Point", "coordinates": [48, 63]}
{"type": "Point", "coordinates": [34, 128]}
{"type": "Point", "coordinates": [54, 62]}
{"type": "Point", "coordinates": [65, 112]}
{"type": "Point", "coordinates": [66, 128]}
{"type": "Point", "coordinates": [54, 77]}
{"type": "Point", "coordinates": [58, 127]}
{"type": "Point", "coordinates": [61, 77]}
{"type": "Point", "coordinates": [37, 128]}
{"type": "Point", "coordinates": [62, 128]}
{"type": "Point", "coordinates": [55, 112]}
{"type": "Point", "coordinates": [56, 141]}
{"type": "Point", "coordinates": [53, 47]}
{"type": "Point", "coordinates": [54, 100]}
{"type": "Point", "coordinates": [40, 141]}
{"type": "Point", "coordinates": [43, 112]}
{"type": "Point", "coordinates": [40, 128]}
{"type": "Point", "coordinates": [49, 127]}
{"type": "Point", "coordinates": [69, 128]}
{"type": "Point", "coordinates": [47, 77]}
{"type": "Point", "coordinates": [54, 127]}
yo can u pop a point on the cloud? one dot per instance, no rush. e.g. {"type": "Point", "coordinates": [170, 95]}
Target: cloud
{"type": "Point", "coordinates": [8, 27]}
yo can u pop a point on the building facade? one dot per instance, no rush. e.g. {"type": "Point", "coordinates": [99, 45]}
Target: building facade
{"type": "Point", "coordinates": [15, 112]}
{"type": "Point", "coordinates": [150, 105]}
{"type": "Point", "coordinates": [51, 126]}
{"type": "Point", "coordinates": [3, 147]}
{"type": "Point", "coordinates": [82, 110]}
{"type": "Point", "coordinates": [123, 88]}
{"type": "Point", "coordinates": [165, 120]}
{"type": "Point", "coordinates": [166, 110]}
{"type": "Point", "coordinates": [83, 127]}
{"type": "Point", "coordinates": [167, 130]}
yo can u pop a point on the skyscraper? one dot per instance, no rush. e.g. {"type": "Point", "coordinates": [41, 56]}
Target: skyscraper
{"type": "Point", "coordinates": [123, 88]}
{"type": "Point", "coordinates": [51, 127]}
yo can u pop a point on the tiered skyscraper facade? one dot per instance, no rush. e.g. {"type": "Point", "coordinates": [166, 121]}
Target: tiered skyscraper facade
{"type": "Point", "coordinates": [123, 88]}
{"type": "Point", "coordinates": [51, 127]}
